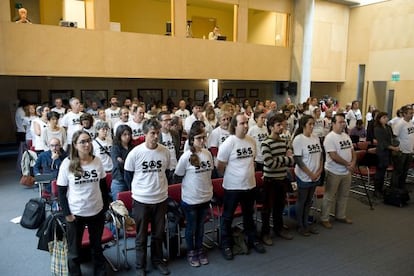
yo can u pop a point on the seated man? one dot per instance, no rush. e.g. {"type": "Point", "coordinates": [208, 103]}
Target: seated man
{"type": "Point", "coordinates": [48, 162]}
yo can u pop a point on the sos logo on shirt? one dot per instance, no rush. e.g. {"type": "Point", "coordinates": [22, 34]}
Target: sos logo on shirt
{"type": "Point", "coordinates": [87, 177]}
{"type": "Point", "coordinates": [244, 153]}
{"type": "Point", "coordinates": [76, 121]}
{"type": "Point", "coordinates": [345, 144]}
{"type": "Point", "coordinates": [314, 148]}
{"type": "Point", "coordinates": [151, 166]}
{"type": "Point", "coordinates": [204, 167]}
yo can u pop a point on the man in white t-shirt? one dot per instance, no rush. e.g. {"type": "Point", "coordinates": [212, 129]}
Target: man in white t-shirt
{"type": "Point", "coordinates": [353, 115]}
{"type": "Point", "coordinates": [145, 169]}
{"type": "Point", "coordinates": [339, 165]}
{"type": "Point", "coordinates": [236, 161]}
{"type": "Point", "coordinates": [59, 108]}
{"type": "Point", "coordinates": [123, 118]}
{"type": "Point", "coordinates": [71, 120]}
{"type": "Point", "coordinates": [112, 113]}
{"type": "Point", "coordinates": [171, 140]}
{"type": "Point", "coordinates": [137, 124]}
{"type": "Point", "coordinates": [192, 118]}
{"type": "Point", "coordinates": [259, 133]}
{"type": "Point", "coordinates": [182, 112]}
{"type": "Point", "coordinates": [403, 129]}
{"type": "Point", "coordinates": [219, 134]}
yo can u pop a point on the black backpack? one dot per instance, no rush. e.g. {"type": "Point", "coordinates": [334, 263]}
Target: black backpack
{"type": "Point", "coordinates": [33, 214]}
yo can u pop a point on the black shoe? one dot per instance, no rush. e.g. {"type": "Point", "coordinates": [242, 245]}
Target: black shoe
{"type": "Point", "coordinates": [258, 247]}
{"type": "Point", "coordinates": [162, 268]}
{"type": "Point", "coordinates": [141, 272]}
{"type": "Point", "coordinates": [284, 234]}
{"type": "Point", "coordinates": [227, 253]}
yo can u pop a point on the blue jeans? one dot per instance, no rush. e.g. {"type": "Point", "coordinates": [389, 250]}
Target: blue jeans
{"type": "Point", "coordinates": [195, 216]}
{"type": "Point", "coordinates": [118, 186]}
{"type": "Point", "coordinates": [304, 201]}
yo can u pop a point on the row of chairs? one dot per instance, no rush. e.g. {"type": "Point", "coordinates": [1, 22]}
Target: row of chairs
{"type": "Point", "coordinates": [214, 217]}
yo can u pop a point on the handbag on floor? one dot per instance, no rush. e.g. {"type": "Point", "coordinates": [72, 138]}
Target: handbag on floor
{"type": "Point", "coordinates": [58, 256]}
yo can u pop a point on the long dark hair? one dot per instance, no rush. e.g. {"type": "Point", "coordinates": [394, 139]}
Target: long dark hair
{"type": "Point", "coordinates": [196, 129]}
{"type": "Point", "coordinates": [302, 123]}
{"type": "Point", "coordinates": [75, 165]}
{"type": "Point", "coordinates": [119, 131]}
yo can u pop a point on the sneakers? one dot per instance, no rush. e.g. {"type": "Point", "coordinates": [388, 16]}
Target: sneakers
{"type": "Point", "coordinates": [192, 258]}
{"type": "Point", "coordinates": [267, 240]}
{"type": "Point", "coordinates": [258, 247]}
{"type": "Point", "coordinates": [344, 220]}
{"type": "Point", "coordinates": [304, 232]}
{"type": "Point", "coordinates": [284, 234]}
{"type": "Point", "coordinates": [227, 253]}
{"type": "Point", "coordinates": [202, 257]}
{"type": "Point", "coordinates": [326, 224]}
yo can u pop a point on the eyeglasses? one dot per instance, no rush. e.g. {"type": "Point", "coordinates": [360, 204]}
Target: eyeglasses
{"type": "Point", "coordinates": [54, 145]}
{"type": "Point", "coordinates": [201, 137]}
{"type": "Point", "coordinates": [83, 142]}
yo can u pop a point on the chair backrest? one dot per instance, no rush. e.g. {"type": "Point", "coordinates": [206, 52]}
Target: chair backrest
{"type": "Point", "coordinates": [174, 192]}
{"type": "Point", "coordinates": [126, 198]}
{"type": "Point", "coordinates": [54, 188]}
{"type": "Point", "coordinates": [108, 180]}
{"type": "Point", "coordinates": [259, 179]}
{"type": "Point", "coordinates": [360, 156]}
{"type": "Point", "coordinates": [362, 145]}
{"type": "Point", "coordinates": [218, 189]}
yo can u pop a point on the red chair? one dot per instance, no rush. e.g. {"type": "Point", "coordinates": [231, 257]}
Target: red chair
{"type": "Point", "coordinates": [217, 205]}
{"type": "Point", "coordinates": [130, 232]}
{"type": "Point", "coordinates": [362, 176]}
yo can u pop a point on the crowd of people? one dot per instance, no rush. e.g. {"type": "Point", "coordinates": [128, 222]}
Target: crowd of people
{"type": "Point", "coordinates": [311, 143]}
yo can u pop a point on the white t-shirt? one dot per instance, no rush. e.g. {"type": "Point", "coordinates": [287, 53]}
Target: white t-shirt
{"type": "Point", "coordinates": [342, 145]}
{"type": "Point", "coordinates": [61, 111]}
{"type": "Point", "coordinates": [196, 185]}
{"type": "Point", "coordinates": [72, 123]}
{"type": "Point", "coordinates": [101, 152]}
{"type": "Point", "coordinates": [19, 119]}
{"type": "Point", "coordinates": [217, 137]}
{"type": "Point", "coordinates": [113, 115]}
{"type": "Point", "coordinates": [352, 116]}
{"type": "Point", "coordinates": [318, 128]}
{"type": "Point", "coordinates": [183, 114]}
{"type": "Point", "coordinates": [84, 194]}
{"type": "Point", "coordinates": [310, 150]}
{"type": "Point", "coordinates": [136, 129]}
{"type": "Point", "coordinates": [189, 122]}
{"type": "Point", "coordinates": [239, 154]}
{"type": "Point", "coordinates": [259, 134]}
{"type": "Point", "coordinates": [37, 139]}
{"type": "Point", "coordinates": [119, 123]}
{"type": "Point", "coordinates": [27, 123]}
{"type": "Point", "coordinates": [168, 143]}
{"type": "Point", "coordinates": [149, 184]}
{"type": "Point", "coordinates": [405, 133]}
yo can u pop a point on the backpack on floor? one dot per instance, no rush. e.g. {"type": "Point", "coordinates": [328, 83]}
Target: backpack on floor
{"type": "Point", "coordinates": [396, 196]}
{"type": "Point", "coordinates": [33, 214]}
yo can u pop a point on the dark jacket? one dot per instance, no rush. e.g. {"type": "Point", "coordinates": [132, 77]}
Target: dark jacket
{"type": "Point", "coordinates": [176, 141]}
{"type": "Point", "coordinates": [45, 164]}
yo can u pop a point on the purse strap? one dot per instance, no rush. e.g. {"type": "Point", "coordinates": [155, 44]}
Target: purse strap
{"type": "Point", "coordinates": [102, 148]}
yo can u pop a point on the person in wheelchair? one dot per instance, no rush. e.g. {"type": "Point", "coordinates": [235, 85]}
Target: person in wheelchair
{"type": "Point", "coordinates": [48, 162]}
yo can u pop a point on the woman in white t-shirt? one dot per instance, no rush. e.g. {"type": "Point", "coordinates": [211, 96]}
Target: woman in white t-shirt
{"type": "Point", "coordinates": [196, 165]}
{"type": "Point", "coordinates": [83, 196]}
{"type": "Point", "coordinates": [307, 151]}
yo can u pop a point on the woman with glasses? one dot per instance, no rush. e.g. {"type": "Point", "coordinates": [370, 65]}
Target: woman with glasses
{"type": "Point", "coordinates": [196, 166]}
{"type": "Point", "coordinates": [83, 196]}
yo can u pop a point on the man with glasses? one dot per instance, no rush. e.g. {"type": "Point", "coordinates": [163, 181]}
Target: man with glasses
{"type": "Point", "coordinates": [48, 162]}
{"type": "Point", "coordinates": [171, 140]}
{"type": "Point", "coordinates": [339, 165]}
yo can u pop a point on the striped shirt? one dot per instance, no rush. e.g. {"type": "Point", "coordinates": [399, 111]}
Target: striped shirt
{"type": "Point", "coordinates": [275, 160]}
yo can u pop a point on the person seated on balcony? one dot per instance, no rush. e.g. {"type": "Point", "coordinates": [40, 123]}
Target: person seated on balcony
{"type": "Point", "coordinates": [23, 16]}
{"type": "Point", "coordinates": [214, 34]}
{"type": "Point", "coordinates": [48, 162]}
